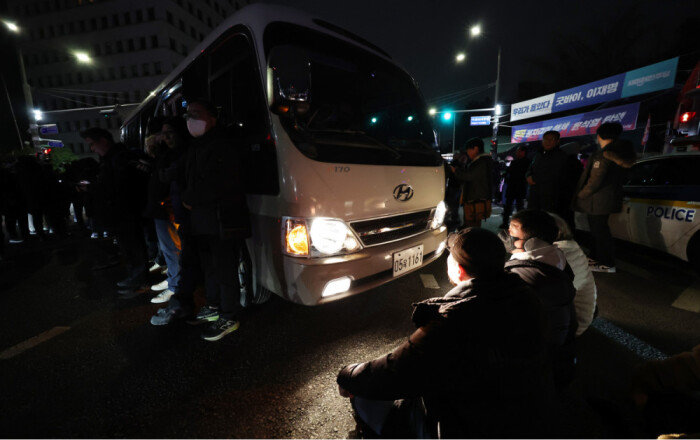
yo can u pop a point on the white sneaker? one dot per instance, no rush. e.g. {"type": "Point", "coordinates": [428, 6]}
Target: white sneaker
{"type": "Point", "coordinates": [94, 235]}
{"type": "Point", "coordinates": [154, 268]}
{"type": "Point", "coordinates": [160, 286]}
{"type": "Point", "coordinates": [162, 297]}
{"type": "Point", "coordinates": [603, 268]}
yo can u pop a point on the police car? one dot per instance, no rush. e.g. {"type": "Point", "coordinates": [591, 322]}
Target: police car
{"type": "Point", "coordinates": [660, 206]}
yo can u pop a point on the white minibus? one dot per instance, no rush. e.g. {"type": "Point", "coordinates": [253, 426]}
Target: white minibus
{"type": "Point", "coordinates": [344, 183]}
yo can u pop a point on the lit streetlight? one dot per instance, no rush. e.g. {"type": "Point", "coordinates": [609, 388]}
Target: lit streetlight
{"type": "Point", "coordinates": [12, 27]}
{"type": "Point", "coordinates": [460, 57]}
{"type": "Point", "coordinates": [432, 111]}
{"type": "Point", "coordinates": [497, 110]}
{"type": "Point", "coordinates": [475, 30]}
{"type": "Point", "coordinates": [82, 57]}
{"type": "Point", "coordinates": [37, 114]}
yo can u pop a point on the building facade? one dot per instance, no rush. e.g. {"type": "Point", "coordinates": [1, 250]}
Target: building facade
{"type": "Point", "coordinates": [131, 44]}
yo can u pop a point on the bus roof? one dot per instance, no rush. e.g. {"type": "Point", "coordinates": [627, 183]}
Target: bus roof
{"type": "Point", "coordinates": [256, 17]}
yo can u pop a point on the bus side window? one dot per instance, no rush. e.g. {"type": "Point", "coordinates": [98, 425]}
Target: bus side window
{"type": "Point", "coordinates": [236, 89]}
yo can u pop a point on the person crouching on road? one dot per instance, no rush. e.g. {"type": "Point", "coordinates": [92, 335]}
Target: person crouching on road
{"type": "Point", "coordinates": [476, 365]}
{"type": "Point", "coordinates": [543, 266]}
{"type": "Point", "coordinates": [477, 186]}
{"type": "Point", "coordinates": [584, 283]}
{"type": "Point", "coordinates": [600, 191]}
{"type": "Point", "coordinates": [219, 216]}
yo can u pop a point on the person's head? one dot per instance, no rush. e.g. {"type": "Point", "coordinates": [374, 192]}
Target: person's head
{"type": "Point", "coordinates": [474, 147]}
{"type": "Point", "coordinates": [201, 117]}
{"type": "Point", "coordinates": [607, 133]}
{"type": "Point", "coordinates": [550, 140]}
{"type": "Point", "coordinates": [521, 152]}
{"type": "Point", "coordinates": [98, 139]}
{"type": "Point", "coordinates": [532, 223]}
{"type": "Point", "coordinates": [474, 253]}
{"type": "Point", "coordinates": [564, 231]}
{"type": "Point", "coordinates": [173, 132]}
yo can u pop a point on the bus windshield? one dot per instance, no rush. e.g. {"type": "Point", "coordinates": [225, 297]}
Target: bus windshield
{"type": "Point", "coordinates": [344, 104]}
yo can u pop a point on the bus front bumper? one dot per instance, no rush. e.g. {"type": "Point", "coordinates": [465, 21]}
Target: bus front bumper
{"type": "Point", "coordinates": [306, 279]}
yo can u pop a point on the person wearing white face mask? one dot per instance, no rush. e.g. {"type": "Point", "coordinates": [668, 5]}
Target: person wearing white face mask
{"type": "Point", "coordinates": [219, 216]}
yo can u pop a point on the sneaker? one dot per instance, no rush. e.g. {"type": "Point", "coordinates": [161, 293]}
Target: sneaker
{"type": "Point", "coordinates": [105, 234]}
{"type": "Point", "coordinates": [94, 235]}
{"type": "Point", "coordinates": [603, 268]}
{"type": "Point", "coordinates": [15, 241]}
{"type": "Point", "coordinates": [206, 314]}
{"type": "Point", "coordinates": [131, 293]}
{"type": "Point", "coordinates": [160, 286]}
{"type": "Point", "coordinates": [133, 283]}
{"type": "Point", "coordinates": [219, 329]}
{"type": "Point", "coordinates": [154, 268]}
{"type": "Point", "coordinates": [167, 315]}
{"type": "Point", "coordinates": [162, 297]}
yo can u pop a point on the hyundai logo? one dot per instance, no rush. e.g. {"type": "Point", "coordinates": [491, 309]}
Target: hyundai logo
{"type": "Point", "coordinates": [403, 192]}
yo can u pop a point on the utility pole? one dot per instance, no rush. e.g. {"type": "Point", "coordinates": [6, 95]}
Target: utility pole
{"type": "Point", "coordinates": [496, 107]}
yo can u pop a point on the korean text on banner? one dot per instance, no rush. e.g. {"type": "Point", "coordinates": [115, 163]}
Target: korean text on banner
{"type": "Point", "coordinates": [647, 79]}
{"type": "Point", "coordinates": [578, 125]}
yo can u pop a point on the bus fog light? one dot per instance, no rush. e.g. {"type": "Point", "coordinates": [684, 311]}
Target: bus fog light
{"type": "Point", "coordinates": [336, 286]}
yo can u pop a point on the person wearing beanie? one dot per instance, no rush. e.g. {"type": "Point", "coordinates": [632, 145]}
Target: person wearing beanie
{"type": "Point", "coordinates": [599, 191]}
{"type": "Point", "coordinates": [476, 365]}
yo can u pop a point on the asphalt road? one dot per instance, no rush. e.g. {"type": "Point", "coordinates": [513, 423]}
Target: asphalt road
{"type": "Point", "coordinates": [103, 371]}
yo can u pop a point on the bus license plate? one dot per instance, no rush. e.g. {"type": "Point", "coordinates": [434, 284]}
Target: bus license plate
{"type": "Point", "coordinates": [407, 260]}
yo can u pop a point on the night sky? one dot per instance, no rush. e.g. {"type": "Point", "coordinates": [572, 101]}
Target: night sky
{"type": "Point", "coordinates": [424, 35]}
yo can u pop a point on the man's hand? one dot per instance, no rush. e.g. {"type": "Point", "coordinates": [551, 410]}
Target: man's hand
{"type": "Point", "coordinates": [530, 180]}
{"type": "Point", "coordinates": [344, 393]}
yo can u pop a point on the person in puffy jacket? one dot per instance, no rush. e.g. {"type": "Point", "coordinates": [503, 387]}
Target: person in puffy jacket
{"type": "Point", "coordinates": [586, 290]}
{"type": "Point", "coordinates": [543, 266]}
{"type": "Point", "coordinates": [600, 191]}
{"type": "Point", "coordinates": [476, 365]}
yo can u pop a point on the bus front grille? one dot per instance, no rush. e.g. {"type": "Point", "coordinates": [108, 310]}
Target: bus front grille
{"type": "Point", "coordinates": [387, 229]}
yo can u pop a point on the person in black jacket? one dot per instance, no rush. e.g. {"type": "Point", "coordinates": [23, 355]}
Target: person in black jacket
{"type": "Point", "coordinates": [120, 197]}
{"type": "Point", "coordinates": [599, 191]}
{"type": "Point", "coordinates": [477, 183]}
{"type": "Point", "coordinates": [218, 215]}
{"type": "Point", "coordinates": [475, 366]}
{"type": "Point", "coordinates": [516, 184]}
{"type": "Point", "coordinates": [543, 266]}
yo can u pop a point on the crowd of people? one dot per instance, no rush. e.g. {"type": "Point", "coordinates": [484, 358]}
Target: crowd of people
{"type": "Point", "coordinates": [490, 358]}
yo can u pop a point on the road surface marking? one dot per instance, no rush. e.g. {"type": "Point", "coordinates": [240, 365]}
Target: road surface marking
{"type": "Point", "coordinates": [631, 342]}
{"type": "Point", "coordinates": [689, 299]}
{"type": "Point", "coordinates": [32, 342]}
{"type": "Point", "coordinates": [429, 281]}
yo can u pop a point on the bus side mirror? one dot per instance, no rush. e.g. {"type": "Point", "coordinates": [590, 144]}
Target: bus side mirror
{"type": "Point", "coordinates": [286, 101]}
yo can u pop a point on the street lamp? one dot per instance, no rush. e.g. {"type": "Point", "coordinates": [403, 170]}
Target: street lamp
{"type": "Point", "coordinates": [475, 30]}
{"type": "Point", "coordinates": [460, 57]}
{"type": "Point", "coordinates": [12, 27]}
{"type": "Point", "coordinates": [83, 57]}
{"type": "Point", "coordinates": [432, 111]}
{"type": "Point", "coordinates": [37, 114]}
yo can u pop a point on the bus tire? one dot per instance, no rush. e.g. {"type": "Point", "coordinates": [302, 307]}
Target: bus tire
{"type": "Point", "coordinates": [250, 293]}
{"type": "Point", "coordinates": [693, 251]}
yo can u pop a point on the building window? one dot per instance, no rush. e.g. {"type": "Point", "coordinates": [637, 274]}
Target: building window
{"type": "Point", "coordinates": [169, 17]}
{"type": "Point", "coordinates": [183, 49]}
{"type": "Point", "coordinates": [173, 44]}
{"type": "Point", "coordinates": [115, 20]}
{"type": "Point", "coordinates": [97, 50]}
{"type": "Point", "coordinates": [93, 24]}
{"type": "Point", "coordinates": [120, 47]}
{"type": "Point", "coordinates": [88, 76]}
{"type": "Point", "coordinates": [157, 68]}
{"type": "Point", "coordinates": [216, 7]}
{"type": "Point", "coordinates": [142, 43]}
{"type": "Point", "coordinates": [139, 16]}
{"type": "Point", "coordinates": [81, 26]}
{"type": "Point", "coordinates": [137, 95]}
{"type": "Point", "coordinates": [199, 15]}
{"type": "Point", "coordinates": [145, 68]}
{"type": "Point", "coordinates": [154, 40]}
{"type": "Point", "coordinates": [69, 79]}
{"type": "Point", "coordinates": [193, 33]}
{"type": "Point", "coordinates": [209, 22]}
{"type": "Point", "coordinates": [108, 48]}
{"type": "Point", "coordinates": [189, 8]}
{"type": "Point", "coordinates": [122, 72]}
{"type": "Point", "coordinates": [60, 29]}
{"type": "Point", "coordinates": [71, 29]}
{"type": "Point", "coordinates": [134, 70]}
{"type": "Point", "coordinates": [182, 26]}
{"type": "Point", "coordinates": [79, 77]}
{"type": "Point", "coordinates": [151, 14]}
{"type": "Point", "coordinates": [103, 22]}
{"type": "Point", "coordinates": [201, 36]}
{"type": "Point", "coordinates": [112, 73]}
{"type": "Point", "coordinates": [51, 32]}
{"type": "Point", "coordinates": [130, 45]}
{"type": "Point", "coordinates": [127, 18]}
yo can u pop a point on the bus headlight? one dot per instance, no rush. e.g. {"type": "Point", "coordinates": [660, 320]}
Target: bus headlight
{"type": "Point", "coordinates": [318, 237]}
{"type": "Point", "coordinates": [439, 216]}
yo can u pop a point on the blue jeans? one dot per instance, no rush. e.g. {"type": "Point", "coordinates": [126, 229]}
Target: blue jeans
{"type": "Point", "coordinates": [169, 243]}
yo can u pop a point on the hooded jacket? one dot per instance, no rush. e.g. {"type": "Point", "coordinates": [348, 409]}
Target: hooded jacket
{"type": "Point", "coordinates": [600, 186]}
{"type": "Point", "coordinates": [584, 283]}
{"type": "Point", "coordinates": [477, 358]}
{"type": "Point", "coordinates": [477, 179]}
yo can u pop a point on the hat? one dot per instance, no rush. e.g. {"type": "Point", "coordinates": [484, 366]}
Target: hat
{"type": "Point", "coordinates": [478, 251]}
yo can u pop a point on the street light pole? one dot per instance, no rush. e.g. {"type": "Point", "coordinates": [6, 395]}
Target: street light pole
{"type": "Point", "coordinates": [454, 123]}
{"type": "Point", "coordinates": [496, 117]}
